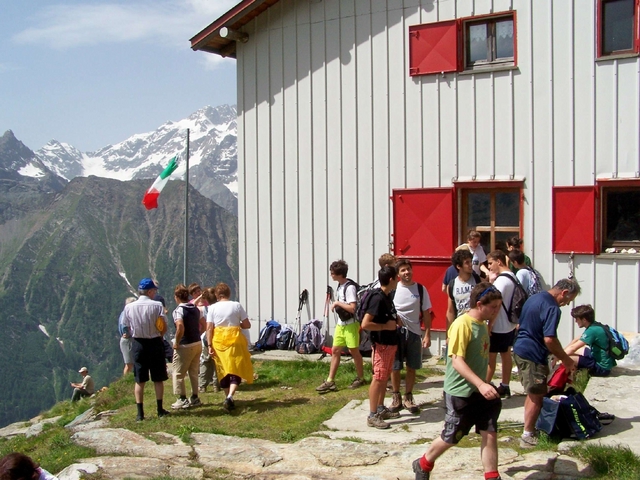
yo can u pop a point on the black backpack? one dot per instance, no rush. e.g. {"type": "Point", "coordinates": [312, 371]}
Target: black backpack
{"type": "Point", "coordinates": [517, 299]}
{"type": "Point", "coordinates": [286, 338]}
{"type": "Point", "coordinates": [341, 312]}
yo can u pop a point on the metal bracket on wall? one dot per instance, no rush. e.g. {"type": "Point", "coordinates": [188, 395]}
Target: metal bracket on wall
{"type": "Point", "coordinates": [571, 267]}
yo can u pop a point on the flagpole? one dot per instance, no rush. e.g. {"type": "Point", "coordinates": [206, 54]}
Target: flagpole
{"type": "Point", "coordinates": [186, 216]}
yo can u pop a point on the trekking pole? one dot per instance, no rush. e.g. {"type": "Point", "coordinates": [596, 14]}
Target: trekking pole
{"type": "Point", "coordinates": [303, 299]}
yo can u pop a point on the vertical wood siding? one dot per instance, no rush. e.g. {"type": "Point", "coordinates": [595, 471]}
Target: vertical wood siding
{"type": "Point", "coordinates": [330, 123]}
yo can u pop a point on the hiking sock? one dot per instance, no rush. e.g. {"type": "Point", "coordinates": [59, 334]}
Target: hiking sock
{"type": "Point", "coordinates": [329, 379]}
{"type": "Point", "coordinates": [528, 434]}
{"type": "Point", "coordinates": [504, 384]}
{"type": "Point", "coordinates": [140, 410]}
{"type": "Point", "coordinates": [491, 475]}
{"type": "Point", "coordinates": [425, 464]}
{"type": "Point", "coordinates": [380, 409]}
{"type": "Point", "coordinates": [159, 405]}
{"type": "Point", "coordinates": [372, 414]}
{"type": "Point", "coordinates": [182, 397]}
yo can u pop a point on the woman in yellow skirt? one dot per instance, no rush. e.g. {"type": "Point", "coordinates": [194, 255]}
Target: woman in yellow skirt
{"type": "Point", "coordinates": [225, 321]}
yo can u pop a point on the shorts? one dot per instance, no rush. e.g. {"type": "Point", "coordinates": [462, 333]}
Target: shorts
{"type": "Point", "coordinates": [230, 379]}
{"type": "Point", "coordinates": [409, 350]}
{"type": "Point", "coordinates": [533, 376]}
{"type": "Point", "coordinates": [382, 361]}
{"type": "Point", "coordinates": [501, 342]}
{"type": "Point", "coordinates": [347, 335]}
{"type": "Point", "coordinates": [465, 412]}
{"type": "Point", "coordinates": [587, 361]}
{"type": "Point", "coordinates": [125, 349]}
{"type": "Point", "coordinates": [148, 358]}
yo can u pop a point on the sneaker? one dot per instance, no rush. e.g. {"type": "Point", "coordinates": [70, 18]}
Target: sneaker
{"type": "Point", "coordinates": [504, 391]}
{"type": "Point", "coordinates": [377, 422]}
{"type": "Point", "coordinates": [386, 414]}
{"type": "Point", "coordinates": [358, 382]}
{"type": "Point", "coordinates": [396, 402]}
{"type": "Point", "coordinates": [140, 418]}
{"type": "Point", "coordinates": [195, 402]}
{"type": "Point", "coordinates": [180, 404]}
{"type": "Point", "coordinates": [163, 413]}
{"type": "Point", "coordinates": [420, 473]}
{"type": "Point", "coordinates": [326, 387]}
{"type": "Point", "coordinates": [528, 441]}
{"type": "Point", "coordinates": [228, 404]}
{"type": "Point", "coordinates": [409, 404]}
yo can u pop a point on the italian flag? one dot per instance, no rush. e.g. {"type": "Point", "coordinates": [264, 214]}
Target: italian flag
{"type": "Point", "coordinates": [150, 199]}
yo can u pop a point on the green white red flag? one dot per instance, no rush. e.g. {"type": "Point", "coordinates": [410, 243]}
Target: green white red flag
{"type": "Point", "coordinates": [150, 199]}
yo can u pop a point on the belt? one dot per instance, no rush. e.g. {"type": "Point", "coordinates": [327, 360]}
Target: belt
{"type": "Point", "coordinates": [342, 323]}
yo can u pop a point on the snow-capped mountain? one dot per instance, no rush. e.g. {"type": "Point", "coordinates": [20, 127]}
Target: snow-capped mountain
{"type": "Point", "coordinates": [213, 165]}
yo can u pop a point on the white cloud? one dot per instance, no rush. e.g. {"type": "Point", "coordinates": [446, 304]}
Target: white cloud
{"type": "Point", "coordinates": [170, 22]}
{"type": "Point", "coordinates": [214, 62]}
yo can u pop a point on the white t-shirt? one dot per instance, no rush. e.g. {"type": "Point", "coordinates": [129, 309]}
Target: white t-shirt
{"type": "Point", "coordinates": [524, 276]}
{"type": "Point", "coordinates": [479, 258]}
{"type": "Point", "coordinates": [348, 294]}
{"type": "Point", "coordinates": [226, 314]}
{"type": "Point", "coordinates": [406, 301]}
{"type": "Point", "coordinates": [461, 293]}
{"type": "Point", "coordinates": [506, 287]}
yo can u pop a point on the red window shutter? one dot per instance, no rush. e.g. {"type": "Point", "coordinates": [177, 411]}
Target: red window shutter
{"type": "Point", "coordinates": [423, 222]}
{"type": "Point", "coordinates": [433, 48]}
{"type": "Point", "coordinates": [430, 274]}
{"type": "Point", "coordinates": [574, 220]}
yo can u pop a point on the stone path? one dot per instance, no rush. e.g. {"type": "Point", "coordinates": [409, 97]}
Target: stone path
{"type": "Point", "coordinates": [348, 449]}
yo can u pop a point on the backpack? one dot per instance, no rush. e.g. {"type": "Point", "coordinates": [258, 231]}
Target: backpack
{"type": "Point", "coordinates": [286, 339]}
{"type": "Point", "coordinates": [535, 282]}
{"type": "Point", "coordinates": [618, 345]}
{"type": "Point", "coordinates": [517, 299]}
{"type": "Point", "coordinates": [572, 416]}
{"type": "Point", "coordinates": [268, 335]}
{"type": "Point", "coordinates": [311, 338]}
{"type": "Point", "coordinates": [341, 312]}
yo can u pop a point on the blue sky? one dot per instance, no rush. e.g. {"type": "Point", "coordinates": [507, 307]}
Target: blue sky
{"type": "Point", "coordinates": [92, 73]}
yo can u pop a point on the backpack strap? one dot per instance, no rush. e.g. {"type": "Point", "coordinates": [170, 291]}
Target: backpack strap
{"type": "Point", "coordinates": [516, 283]}
{"type": "Point", "coordinates": [421, 294]}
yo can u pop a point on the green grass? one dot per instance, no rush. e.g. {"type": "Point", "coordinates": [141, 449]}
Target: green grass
{"type": "Point", "coordinates": [610, 462]}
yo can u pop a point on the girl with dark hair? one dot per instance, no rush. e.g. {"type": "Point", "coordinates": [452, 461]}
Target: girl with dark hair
{"type": "Point", "coordinates": [17, 466]}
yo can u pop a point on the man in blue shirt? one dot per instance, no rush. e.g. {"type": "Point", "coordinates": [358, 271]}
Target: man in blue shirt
{"type": "Point", "coordinates": [537, 338]}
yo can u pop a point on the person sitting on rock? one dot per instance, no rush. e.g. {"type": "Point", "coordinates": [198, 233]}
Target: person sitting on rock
{"type": "Point", "coordinates": [17, 466]}
{"type": "Point", "coordinates": [84, 389]}
{"type": "Point", "coordinates": [591, 349]}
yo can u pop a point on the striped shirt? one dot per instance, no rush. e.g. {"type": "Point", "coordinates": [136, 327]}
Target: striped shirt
{"type": "Point", "coordinates": [140, 316]}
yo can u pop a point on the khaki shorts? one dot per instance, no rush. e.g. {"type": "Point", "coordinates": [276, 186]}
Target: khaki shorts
{"type": "Point", "coordinates": [533, 376]}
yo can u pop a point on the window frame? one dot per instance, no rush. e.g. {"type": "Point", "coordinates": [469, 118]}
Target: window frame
{"type": "Point", "coordinates": [490, 21]}
{"type": "Point", "coordinates": [635, 48]}
{"type": "Point", "coordinates": [604, 187]}
{"type": "Point", "coordinates": [492, 187]}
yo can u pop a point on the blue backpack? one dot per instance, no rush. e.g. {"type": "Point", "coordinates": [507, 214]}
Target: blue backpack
{"type": "Point", "coordinates": [268, 336]}
{"type": "Point", "coordinates": [618, 345]}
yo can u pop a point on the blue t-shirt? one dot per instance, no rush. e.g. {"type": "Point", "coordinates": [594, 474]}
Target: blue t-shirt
{"type": "Point", "coordinates": [539, 318]}
{"type": "Point", "coordinates": [450, 274]}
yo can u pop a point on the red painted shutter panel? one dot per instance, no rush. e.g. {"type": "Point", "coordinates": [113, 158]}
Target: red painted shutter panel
{"type": "Point", "coordinates": [423, 221]}
{"type": "Point", "coordinates": [433, 48]}
{"type": "Point", "coordinates": [430, 274]}
{"type": "Point", "coordinates": [574, 220]}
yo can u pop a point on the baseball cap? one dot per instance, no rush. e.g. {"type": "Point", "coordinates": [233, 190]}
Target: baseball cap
{"type": "Point", "coordinates": [83, 369]}
{"type": "Point", "coordinates": [146, 284]}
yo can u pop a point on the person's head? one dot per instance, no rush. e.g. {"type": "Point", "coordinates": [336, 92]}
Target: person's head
{"type": "Point", "coordinates": [339, 269]}
{"type": "Point", "coordinates": [84, 371]}
{"type": "Point", "coordinates": [565, 291]}
{"type": "Point", "coordinates": [386, 259]}
{"type": "Point", "coordinates": [194, 290]}
{"type": "Point", "coordinates": [388, 276]}
{"type": "Point", "coordinates": [514, 243]}
{"type": "Point", "coordinates": [17, 466]}
{"type": "Point", "coordinates": [462, 260]}
{"type": "Point", "coordinates": [473, 238]}
{"type": "Point", "coordinates": [209, 294]}
{"type": "Point", "coordinates": [147, 287]}
{"type": "Point", "coordinates": [584, 315]}
{"type": "Point", "coordinates": [223, 291]}
{"type": "Point", "coordinates": [486, 299]}
{"type": "Point", "coordinates": [181, 293]}
{"type": "Point", "coordinates": [517, 257]}
{"type": "Point", "coordinates": [404, 270]}
{"type": "Point", "coordinates": [497, 261]}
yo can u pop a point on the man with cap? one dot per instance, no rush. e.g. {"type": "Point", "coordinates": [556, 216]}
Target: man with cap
{"type": "Point", "coordinates": [146, 321]}
{"type": "Point", "coordinates": [84, 389]}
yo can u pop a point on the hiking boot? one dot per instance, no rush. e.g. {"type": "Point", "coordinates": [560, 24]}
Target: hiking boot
{"type": "Point", "coordinates": [358, 382]}
{"type": "Point", "coordinates": [409, 404]}
{"type": "Point", "coordinates": [163, 413]}
{"type": "Point", "coordinates": [528, 441]}
{"type": "Point", "coordinates": [326, 387]}
{"type": "Point", "coordinates": [140, 418]}
{"type": "Point", "coordinates": [195, 402]}
{"type": "Point", "coordinates": [377, 422]}
{"type": "Point", "coordinates": [180, 404]}
{"type": "Point", "coordinates": [386, 414]}
{"type": "Point", "coordinates": [420, 473]}
{"type": "Point", "coordinates": [504, 391]}
{"type": "Point", "coordinates": [229, 404]}
{"type": "Point", "coordinates": [396, 402]}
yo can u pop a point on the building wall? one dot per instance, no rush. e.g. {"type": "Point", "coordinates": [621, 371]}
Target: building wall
{"type": "Point", "coordinates": [330, 123]}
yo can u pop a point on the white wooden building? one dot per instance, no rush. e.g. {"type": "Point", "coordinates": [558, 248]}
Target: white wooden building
{"type": "Point", "coordinates": [367, 126]}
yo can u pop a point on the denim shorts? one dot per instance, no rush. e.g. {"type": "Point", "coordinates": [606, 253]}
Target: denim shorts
{"type": "Point", "coordinates": [409, 350]}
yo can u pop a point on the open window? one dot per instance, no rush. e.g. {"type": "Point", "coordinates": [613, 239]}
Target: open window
{"type": "Point", "coordinates": [618, 31]}
{"type": "Point", "coordinates": [620, 207]}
